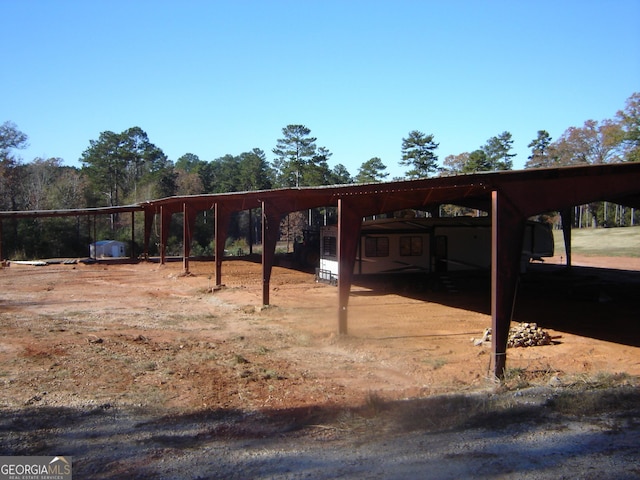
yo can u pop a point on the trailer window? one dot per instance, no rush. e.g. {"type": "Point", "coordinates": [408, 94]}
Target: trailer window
{"type": "Point", "coordinates": [411, 246]}
{"type": "Point", "coordinates": [329, 248]}
{"type": "Point", "coordinates": [376, 246]}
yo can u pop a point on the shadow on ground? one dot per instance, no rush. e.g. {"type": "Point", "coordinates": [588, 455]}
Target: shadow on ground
{"type": "Point", "coordinates": [458, 433]}
{"type": "Point", "coordinates": [591, 302]}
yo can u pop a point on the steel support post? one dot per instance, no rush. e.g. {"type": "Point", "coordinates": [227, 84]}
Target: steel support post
{"type": "Point", "coordinates": [251, 239]}
{"type": "Point", "coordinates": [95, 239]}
{"type": "Point", "coordinates": [349, 225]}
{"type": "Point", "coordinates": [270, 235]}
{"type": "Point", "coordinates": [165, 220]}
{"type": "Point", "coordinates": [507, 231]}
{"type": "Point", "coordinates": [567, 223]}
{"type": "Point", "coordinates": [220, 225]}
{"type": "Point", "coordinates": [188, 225]}
{"type": "Point", "coordinates": [133, 235]}
{"type": "Point", "coordinates": [148, 225]}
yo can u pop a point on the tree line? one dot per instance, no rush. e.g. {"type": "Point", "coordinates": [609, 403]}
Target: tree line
{"type": "Point", "coordinates": [126, 167]}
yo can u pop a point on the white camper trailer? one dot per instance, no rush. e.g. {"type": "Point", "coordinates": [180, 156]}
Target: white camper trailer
{"type": "Point", "coordinates": [427, 245]}
{"type": "Point", "coordinates": [107, 248]}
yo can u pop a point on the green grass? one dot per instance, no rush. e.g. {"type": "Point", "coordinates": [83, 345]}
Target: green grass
{"type": "Point", "coordinates": [607, 242]}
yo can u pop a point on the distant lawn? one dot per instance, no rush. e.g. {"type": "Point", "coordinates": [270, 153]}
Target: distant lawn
{"type": "Point", "coordinates": [606, 242]}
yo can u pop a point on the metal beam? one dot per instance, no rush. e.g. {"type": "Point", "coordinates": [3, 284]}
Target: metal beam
{"type": "Point", "coordinates": [221, 218]}
{"type": "Point", "coordinates": [567, 223]}
{"type": "Point", "coordinates": [95, 237]}
{"type": "Point", "coordinates": [507, 230]}
{"type": "Point", "coordinates": [165, 221]}
{"type": "Point", "coordinates": [149, 217]}
{"type": "Point", "coordinates": [270, 234]}
{"type": "Point", "coordinates": [75, 212]}
{"type": "Point", "coordinates": [349, 225]}
{"type": "Point", "coordinates": [133, 236]}
{"type": "Point", "coordinates": [188, 223]}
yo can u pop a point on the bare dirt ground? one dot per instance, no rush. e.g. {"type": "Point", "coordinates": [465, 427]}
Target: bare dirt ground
{"type": "Point", "coordinates": [141, 371]}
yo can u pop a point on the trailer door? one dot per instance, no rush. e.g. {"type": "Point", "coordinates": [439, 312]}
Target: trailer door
{"type": "Point", "coordinates": [441, 253]}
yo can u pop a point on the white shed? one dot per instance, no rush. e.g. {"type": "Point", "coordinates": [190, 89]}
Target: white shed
{"type": "Point", "coordinates": [107, 248]}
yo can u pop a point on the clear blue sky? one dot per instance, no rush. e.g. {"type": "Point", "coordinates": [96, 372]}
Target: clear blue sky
{"type": "Point", "coordinates": [219, 77]}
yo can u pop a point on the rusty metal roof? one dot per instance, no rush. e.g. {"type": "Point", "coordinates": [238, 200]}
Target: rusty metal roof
{"type": "Point", "coordinates": [538, 190]}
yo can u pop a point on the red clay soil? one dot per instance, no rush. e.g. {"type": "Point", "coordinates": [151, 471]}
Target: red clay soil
{"type": "Point", "coordinates": [148, 335]}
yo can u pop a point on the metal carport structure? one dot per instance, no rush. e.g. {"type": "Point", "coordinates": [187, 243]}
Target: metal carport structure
{"type": "Point", "coordinates": [511, 198]}
{"type": "Point", "coordinates": [76, 212]}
